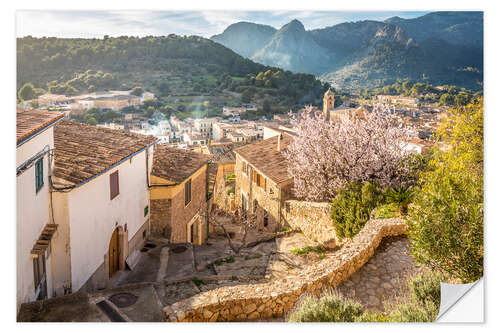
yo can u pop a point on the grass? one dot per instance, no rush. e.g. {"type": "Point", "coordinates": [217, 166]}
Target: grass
{"type": "Point", "coordinates": [307, 249]}
{"type": "Point", "coordinates": [219, 262]}
{"type": "Point", "coordinates": [198, 282]}
{"type": "Point", "coordinates": [387, 211]}
{"type": "Point", "coordinates": [253, 256]}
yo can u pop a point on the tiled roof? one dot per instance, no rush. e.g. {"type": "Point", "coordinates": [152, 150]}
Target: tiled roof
{"type": "Point", "coordinates": [264, 156]}
{"type": "Point", "coordinates": [223, 153]}
{"type": "Point", "coordinates": [176, 164]}
{"type": "Point", "coordinates": [83, 151]}
{"type": "Point", "coordinates": [29, 121]}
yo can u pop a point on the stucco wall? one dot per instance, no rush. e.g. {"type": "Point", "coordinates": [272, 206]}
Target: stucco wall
{"type": "Point", "coordinates": [313, 219]}
{"type": "Point", "coordinates": [93, 216]}
{"type": "Point", "coordinates": [275, 298]}
{"type": "Point", "coordinates": [32, 211]}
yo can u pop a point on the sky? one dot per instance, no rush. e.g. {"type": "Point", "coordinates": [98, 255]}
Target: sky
{"type": "Point", "coordinates": [96, 24]}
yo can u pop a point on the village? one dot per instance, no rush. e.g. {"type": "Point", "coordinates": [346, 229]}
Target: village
{"type": "Point", "coordinates": [186, 220]}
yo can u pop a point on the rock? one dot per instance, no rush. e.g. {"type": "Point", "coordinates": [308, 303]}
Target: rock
{"type": "Point", "coordinates": [250, 308]}
{"type": "Point", "coordinates": [214, 317]}
{"type": "Point", "coordinates": [253, 315]}
{"type": "Point", "coordinates": [180, 315]}
{"type": "Point", "coordinates": [236, 310]}
{"type": "Point", "coordinates": [207, 314]}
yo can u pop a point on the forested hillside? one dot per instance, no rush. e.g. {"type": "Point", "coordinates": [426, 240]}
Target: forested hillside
{"type": "Point", "coordinates": [177, 69]}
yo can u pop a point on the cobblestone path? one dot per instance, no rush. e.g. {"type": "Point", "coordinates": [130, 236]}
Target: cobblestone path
{"type": "Point", "coordinates": [383, 277]}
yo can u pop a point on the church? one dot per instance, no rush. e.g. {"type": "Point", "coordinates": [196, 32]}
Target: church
{"type": "Point", "coordinates": [333, 113]}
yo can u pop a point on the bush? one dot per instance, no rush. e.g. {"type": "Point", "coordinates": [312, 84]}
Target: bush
{"type": "Point", "coordinates": [352, 206]}
{"type": "Point", "coordinates": [446, 219]}
{"type": "Point", "coordinates": [424, 299]}
{"type": "Point", "coordinates": [414, 312]}
{"type": "Point", "coordinates": [401, 196]}
{"type": "Point", "coordinates": [328, 308]}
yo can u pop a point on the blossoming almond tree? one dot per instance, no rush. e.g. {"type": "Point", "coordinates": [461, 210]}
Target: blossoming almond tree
{"type": "Point", "coordinates": [327, 155]}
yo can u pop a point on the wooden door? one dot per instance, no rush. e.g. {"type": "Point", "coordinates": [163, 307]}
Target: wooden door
{"type": "Point", "coordinates": [113, 254]}
{"type": "Point", "coordinates": [192, 231]}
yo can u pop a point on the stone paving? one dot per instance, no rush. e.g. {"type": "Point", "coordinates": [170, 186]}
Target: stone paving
{"type": "Point", "coordinates": [383, 278]}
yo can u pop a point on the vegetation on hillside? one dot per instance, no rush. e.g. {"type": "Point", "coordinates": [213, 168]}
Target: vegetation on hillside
{"type": "Point", "coordinates": [184, 73]}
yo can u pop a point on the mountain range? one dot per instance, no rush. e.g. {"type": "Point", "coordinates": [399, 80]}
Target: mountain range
{"type": "Point", "coordinates": [438, 48]}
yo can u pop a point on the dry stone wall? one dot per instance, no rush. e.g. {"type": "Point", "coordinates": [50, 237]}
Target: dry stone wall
{"type": "Point", "coordinates": [274, 298]}
{"type": "Point", "coordinates": [313, 219]}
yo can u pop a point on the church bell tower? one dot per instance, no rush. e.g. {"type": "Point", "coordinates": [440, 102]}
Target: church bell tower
{"type": "Point", "coordinates": [328, 103]}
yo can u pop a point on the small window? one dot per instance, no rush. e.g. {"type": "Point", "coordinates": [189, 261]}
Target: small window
{"type": "Point", "coordinates": [266, 220]}
{"type": "Point", "coordinates": [39, 174]}
{"type": "Point", "coordinates": [114, 185]}
{"type": "Point", "coordinates": [187, 192]}
{"type": "Point", "coordinates": [146, 211]}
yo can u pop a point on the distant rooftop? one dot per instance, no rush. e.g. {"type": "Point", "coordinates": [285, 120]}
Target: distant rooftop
{"type": "Point", "coordinates": [83, 151]}
{"type": "Point", "coordinates": [30, 121]}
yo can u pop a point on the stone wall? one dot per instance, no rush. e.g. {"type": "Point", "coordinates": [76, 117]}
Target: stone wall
{"type": "Point", "coordinates": [313, 219]}
{"type": "Point", "coordinates": [161, 213]}
{"type": "Point", "coordinates": [277, 297]}
{"type": "Point", "coordinates": [170, 216]}
{"type": "Point", "coordinates": [264, 201]}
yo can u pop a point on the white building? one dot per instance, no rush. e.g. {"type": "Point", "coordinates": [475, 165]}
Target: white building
{"type": "Point", "coordinates": [34, 228]}
{"type": "Point", "coordinates": [101, 203]}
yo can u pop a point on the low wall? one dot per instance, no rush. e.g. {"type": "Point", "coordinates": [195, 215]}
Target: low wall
{"type": "Point", "coordinates": [313, 219]}
{"type": "Point", "coordinates": [274, 298]}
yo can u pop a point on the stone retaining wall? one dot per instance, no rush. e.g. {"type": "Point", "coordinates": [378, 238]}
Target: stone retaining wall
{"type": "Point", "coordinates": [313, 219]}
{"type": "Point", "coordinates": [265, 300]}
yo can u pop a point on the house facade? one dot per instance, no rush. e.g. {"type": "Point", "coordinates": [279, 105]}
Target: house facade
{"type": "Point", "coordinates": [179, 195]}
{"type": "Point", "coordinates": [35, 227]}
{"type": "Point", "coordinates": [100, 202]}
{"type": "Point", "coordinates": [262, 181]}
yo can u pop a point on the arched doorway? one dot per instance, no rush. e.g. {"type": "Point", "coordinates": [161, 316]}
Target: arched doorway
{"type": "Point", "coordinates": [114, 254]}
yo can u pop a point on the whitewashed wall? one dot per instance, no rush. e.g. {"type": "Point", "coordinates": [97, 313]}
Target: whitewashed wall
{"type": "Point", "coordinates": [32, 214]}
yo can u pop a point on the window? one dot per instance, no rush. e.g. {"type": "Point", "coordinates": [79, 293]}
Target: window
{"type": "Point", "coordinates": [266, 220]}
{"type": "Point", "coordinates": [114, 185]}
{"type": "Point", "coordinates": [39, 174]}
{"type": "Point", "coordinates": [244, 168]}
{"type": "Point", "coordinates": [146, 211]}
{"type": "Point", "coordinates": [187, 192]}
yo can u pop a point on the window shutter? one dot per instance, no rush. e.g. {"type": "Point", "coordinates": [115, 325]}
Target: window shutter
{"type": "Point", "coordinates": [114, 185]}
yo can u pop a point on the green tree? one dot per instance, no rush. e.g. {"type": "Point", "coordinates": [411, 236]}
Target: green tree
{"type": "Point", "coordinates": [446, 219]}
{"type": "Point", "coordinates": [462, 98]}
{"type": "Point", "coordinates": [91, 121]}
{"type": "Point", "coordinates": [266, 106]}
{"type": "Point", "coordinates": [446, 99]}
{"type": "Point", "coordinates": [137, 91]}
{"type": "Point", "coordinates": [26, 92]}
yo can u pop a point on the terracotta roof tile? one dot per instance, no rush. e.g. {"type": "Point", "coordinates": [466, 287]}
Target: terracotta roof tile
{"type": "Point", "coordinates": [29, 121]}
{"type": "Point", "coordinates": [265, 156]}
{"type": "Point", "coordinates": [176, 164]}
{"type": "Point", "coordinates": [223, 153]}
{"type": "Point", "coordinates": [83, 151]}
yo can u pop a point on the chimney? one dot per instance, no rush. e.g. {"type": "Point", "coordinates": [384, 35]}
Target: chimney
{"type": "Point", "coordinates": [280, 142]}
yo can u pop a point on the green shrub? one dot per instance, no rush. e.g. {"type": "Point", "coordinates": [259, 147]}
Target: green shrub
{"type": "Point", "coordinates": [424, 299]}
{"type": "Point", "coordinates": [352, 206]}
{"type": "Point", "coordinates": [446, 218]}
{"type": "Point", "coordinates": [427, 287]}
{"type": "Point", "coordinates": [401, 196]}
{"type": "Point", "coordinates": [414, 312]}
{"type": "Point", "coordinates": [374, 317]}
{"type": "Point", "coordinates": [307, 249]}
{"type": "Point", "coordinates": [387, 211]}
{"type": "Point", "coordinates": [328, 308]}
